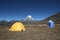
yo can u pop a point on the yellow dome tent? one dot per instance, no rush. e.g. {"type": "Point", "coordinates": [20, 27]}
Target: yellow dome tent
{"type": "Point", "coordinates": [18, 26]}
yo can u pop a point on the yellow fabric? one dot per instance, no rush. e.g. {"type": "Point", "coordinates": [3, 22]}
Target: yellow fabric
{"type": "Point", "coordinates": [17, 27]}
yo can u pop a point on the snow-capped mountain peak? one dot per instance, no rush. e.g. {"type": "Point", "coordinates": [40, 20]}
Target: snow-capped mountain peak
{"type": "Point", "coordinates": [28, 18]}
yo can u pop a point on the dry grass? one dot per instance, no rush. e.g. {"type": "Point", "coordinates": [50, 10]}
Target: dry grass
{"type": "Point", "coordinates": [32, 33]}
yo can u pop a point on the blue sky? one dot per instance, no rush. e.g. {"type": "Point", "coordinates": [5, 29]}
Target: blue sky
{"type": "Point", "coordinates": [20, 9]}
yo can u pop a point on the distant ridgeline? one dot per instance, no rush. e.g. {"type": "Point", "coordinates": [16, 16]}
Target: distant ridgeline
{"type": "Point", "coordinates": [8, 23]}
{"type": "Point", "coordinates": [3, 23]}
{"type": "Point", "coordinates": [55, 18]}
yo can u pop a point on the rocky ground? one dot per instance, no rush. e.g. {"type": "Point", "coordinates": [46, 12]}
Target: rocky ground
{"type": "Point", "coordinates": [32, 33]}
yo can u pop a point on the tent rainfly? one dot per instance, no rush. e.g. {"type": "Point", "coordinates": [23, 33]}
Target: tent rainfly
{"type": "Point", "coordinates": [18, 26]}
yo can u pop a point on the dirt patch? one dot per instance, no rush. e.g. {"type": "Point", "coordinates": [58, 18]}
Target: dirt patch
{"type": "Point", "coordinates": [31, 33]}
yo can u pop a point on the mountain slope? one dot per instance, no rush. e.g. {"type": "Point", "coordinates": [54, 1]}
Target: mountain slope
{"type": "Point", "coordinates": [55, 18]}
